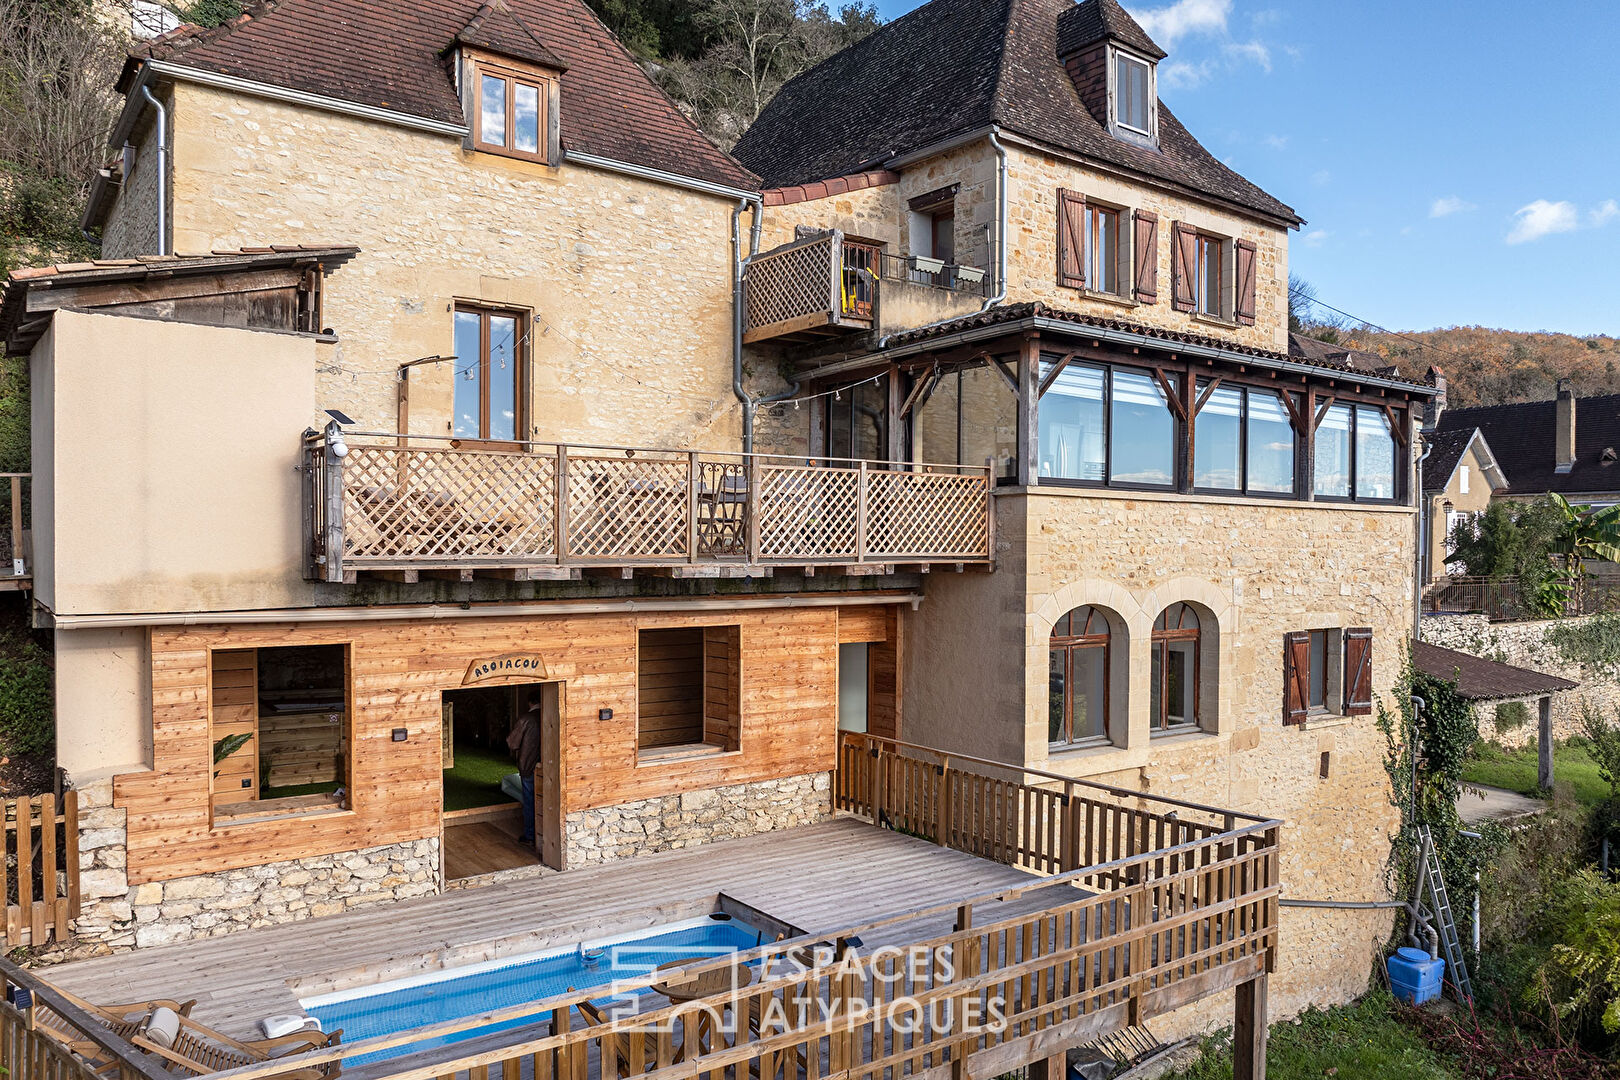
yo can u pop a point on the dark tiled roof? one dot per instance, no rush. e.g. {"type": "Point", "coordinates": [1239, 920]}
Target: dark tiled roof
{"type": "Point", "coordinates": [389, 54]}
{"type": "Point", "coordinates": [1479, 679]}
{"type": "Point", "coordinates": [1445, 450]}
{"type": "Point", "coordinates": [1522, 436]}
{"type": "Point", "coordinates": [499, 29]}
{"type": "Point", "coordinates": [1013, 313]}
{"type": "Point", "coordinates": [1308, 348]}
{"type": "Point", "coordinates": [19, 332]}
{"type": "Point", "coordinates": [1085, 24]}
{"type": "Point", "coordinates": [951, 67]}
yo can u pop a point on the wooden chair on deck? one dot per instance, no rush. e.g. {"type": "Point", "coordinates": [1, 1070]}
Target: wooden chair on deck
{"type": "Point", "coordinates": [201, 1050]}
{"type": "Point", "coordinates": [125, 1021]}
{"type": "Point", "coordinates": [619, 1045]}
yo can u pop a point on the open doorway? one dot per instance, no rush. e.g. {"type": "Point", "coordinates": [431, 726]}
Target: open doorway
{"type": "Point", "coordinates": [483, 818]}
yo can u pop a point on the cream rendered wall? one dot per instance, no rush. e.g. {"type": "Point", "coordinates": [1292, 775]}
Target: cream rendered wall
{"type": "Point", "coordinates": [103, 702]}
{"type": "Point", "coordinates": [1476, 499]}
{"type": "Point", "coordinates": [629, 281]}
{"type": "Point", "coordinates": [168, 465]}
{"type": "Point", "coordinates": [977, 681]}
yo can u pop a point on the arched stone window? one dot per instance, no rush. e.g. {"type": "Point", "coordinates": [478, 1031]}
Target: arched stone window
{"type": "Point", "coordinates": [1173, 702]}
{"type": "Point", "coordinates": [1078, 699]}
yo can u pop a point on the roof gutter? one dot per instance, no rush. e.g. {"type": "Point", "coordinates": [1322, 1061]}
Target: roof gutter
{"type": "Point", "coordinates": [1118, 337]}
{"type": "Point", "coordinates": [405, 612]}
{"type": "Point", "coordinates": [643, 172]}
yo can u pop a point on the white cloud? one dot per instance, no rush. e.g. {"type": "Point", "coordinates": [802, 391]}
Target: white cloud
{"type": "Point", "coordinates": [1315, 238]}
{"type": "Point", "coordinates": [1542, 218]}
{"type": "Point", "coordinates": [1277, 142]}
{"type": "Point", "coordinates": [1252, 51]}
{"type": "Point", "coordinates": [1167, 25]}
{"type": "Point", "coordinates": [1448, 205]}
{"type": "Point", "coordinates": [1603, 213]}
{"type": "Point", "coordinates": [1180, 75]}
{"type": "Point", "coordinates": [1322, 177]}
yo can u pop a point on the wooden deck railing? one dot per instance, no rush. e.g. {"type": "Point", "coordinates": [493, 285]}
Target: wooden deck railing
{"type": "Point", "coordinates": [39, 868]}
{"type": "Point", "coordinates": [807, 286]}
{"type": "Point", "coordinates": [1062, 959]}
{"type": "Point", "coordinates": [36, 1019]}
{"type": "Point", "coordinates": [394, 504]}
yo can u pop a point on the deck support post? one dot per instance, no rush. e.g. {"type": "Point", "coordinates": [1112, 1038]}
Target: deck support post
{"type": "Point", "coordinates": [1544, 744]}
{"type": "Point", "coordinates": [1249, 1031]}
{"type": "Point", "coordinates": [1051, 1068]}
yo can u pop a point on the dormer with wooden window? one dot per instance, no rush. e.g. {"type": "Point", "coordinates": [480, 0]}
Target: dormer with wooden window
{"type": "Point", "coordinates": [1114, 67]}
{"type": "Point", "coordinates": [509, 86]}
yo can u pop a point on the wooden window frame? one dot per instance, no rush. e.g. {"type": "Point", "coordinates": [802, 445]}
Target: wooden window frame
{"type": "Point", "coordinates": [1223, 247]}
{"type": "Point", "coordinates": [1160, 642]}
{"type": "Point", "coordinates": [706, 745]}
{"type": "Point", "coordinates": [520, 391]}
{"type": "Point", "coordinates": [1069, 644]}
{"type": "Point", "coordinates": [1116, 96]}
{"type": "Point", "coordinates": [1122, 246]}
{"type": "Point", "coordinates": [545, 86]}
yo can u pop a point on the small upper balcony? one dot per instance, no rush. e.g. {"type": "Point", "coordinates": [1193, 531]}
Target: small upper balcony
{"type": "Point", "coordinates": [823, 285]}
{"type": "Point", "coordinates": [399, 506]}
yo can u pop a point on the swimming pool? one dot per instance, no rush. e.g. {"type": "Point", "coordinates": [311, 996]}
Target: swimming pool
{"type": "Point", "coordinates": [383, 1009]}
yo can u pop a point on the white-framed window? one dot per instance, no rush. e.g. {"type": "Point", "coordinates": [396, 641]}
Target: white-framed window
{"type": "Point", "coordinates": [1462, 479]}
{"type": "Point", "coordinates": [1133, 93]}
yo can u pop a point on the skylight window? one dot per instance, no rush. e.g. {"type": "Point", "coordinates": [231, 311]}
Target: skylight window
{"type": "Point", "coordinates": [1132, 94]}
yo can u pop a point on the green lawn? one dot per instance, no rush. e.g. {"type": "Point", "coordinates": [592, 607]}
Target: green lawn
{"type": "Point", "coordinates": [1361, 1041]}
{"type": "Point", "coordinates": [1516, 771]}
{"type": "Point", "coordinates": [476, 779]}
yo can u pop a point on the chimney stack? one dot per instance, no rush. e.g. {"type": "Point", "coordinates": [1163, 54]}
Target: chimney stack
{"type": "Point", "coordinates": [1564, 436]}
{"type": "Point", "coordinates": [1437, 404]}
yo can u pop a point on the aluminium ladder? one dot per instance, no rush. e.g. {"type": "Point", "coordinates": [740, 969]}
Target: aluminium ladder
{"type": "Point", "coordinates": [1445, 921]}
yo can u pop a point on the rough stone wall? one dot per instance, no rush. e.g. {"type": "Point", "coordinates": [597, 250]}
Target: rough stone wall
{"type": "Point", "coordinates": [668, 822]}
{"type": "Point", "coordinates": [1526, 644]}
{"type": "Point", "coordinates": [116, 916]}
{"type": "Point", "coordinates": [132, 225]}
{"type": "Point", "coordinates": [629, 281]}
{"type": "Point", "coordinates": [1256, 570]}
{"type": "Point", "coordinates": [1033, 182]}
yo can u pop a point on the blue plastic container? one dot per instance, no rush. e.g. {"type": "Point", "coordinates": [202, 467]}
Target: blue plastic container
{"type": "Point", "coordinates": [1416, 976]}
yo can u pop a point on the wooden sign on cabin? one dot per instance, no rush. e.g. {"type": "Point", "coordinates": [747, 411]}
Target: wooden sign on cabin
{"type": "Point", "coordinates": [508, 667]}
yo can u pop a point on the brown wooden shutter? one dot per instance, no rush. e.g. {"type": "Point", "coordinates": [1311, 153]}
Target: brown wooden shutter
{"type": "Point", "coordinates": [1071, 229]}
{"type": "Point", "coordinates": [1183, 257]}
{"type": "Point", "coordinates": [1244, 304]}
{"type": "Point", "coordinates": [1147, 257]}
{"type": "Point", "coordinates": [1358, 671]}
{"type": "Point", "coordinates": [1296, 676]}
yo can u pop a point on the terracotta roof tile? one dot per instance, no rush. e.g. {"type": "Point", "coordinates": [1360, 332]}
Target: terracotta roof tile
{"type": "Point", "coordinates": [389, 54]}
{"type": "Point", "coordinates": [951, 67]}
{"type": "Point", "coordinates": [838, 185]}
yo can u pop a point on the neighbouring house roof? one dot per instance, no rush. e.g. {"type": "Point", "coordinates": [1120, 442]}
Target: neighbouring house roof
{"type": "Point", "coordinates": [1016, 313]}
{"type": "Point", "coordinates": [390, 54]}
{"type": "Point", "coordinates": [953, 67]}
{"type": "Point", "coordinates": [1522, 439]}
{"type": "Point", "coordinates": [1446, 451]}
{"type": "Point", "coordinates": [20, 329]}
{"type": "Point", "coordinates": [838, 185]}
{"type": "Point", "coordinates": [1479, 679]}
{"type": "Point", "coordinates": [1308, 348]}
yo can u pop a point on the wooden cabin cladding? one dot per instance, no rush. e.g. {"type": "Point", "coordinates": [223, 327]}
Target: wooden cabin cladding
{"type": "Point", "coordinates": [784, 715]}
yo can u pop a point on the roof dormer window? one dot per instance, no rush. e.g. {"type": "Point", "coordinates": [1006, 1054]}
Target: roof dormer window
{"type": "Point", "coordinates": [514, 110]}
{"type": "Point", "coordinates": [1133, 97]}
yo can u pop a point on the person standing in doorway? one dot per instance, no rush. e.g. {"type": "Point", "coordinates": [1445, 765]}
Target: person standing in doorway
{"type": "Point", "coordinates": [524, 743]}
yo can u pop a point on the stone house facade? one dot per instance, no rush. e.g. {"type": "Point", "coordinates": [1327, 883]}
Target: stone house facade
{"type": "Point", "coordinates": [1148, 527]}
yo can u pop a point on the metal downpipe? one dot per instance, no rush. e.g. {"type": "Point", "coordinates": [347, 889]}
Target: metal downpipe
{"type": "Point", "coordinates": [739, 267]}
{"type": "Point", "coordinates": [1001, 223]}
{"type": "Point", "coordinates": [163, 168]}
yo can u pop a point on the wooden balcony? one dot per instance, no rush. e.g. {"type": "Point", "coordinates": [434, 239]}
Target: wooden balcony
{"type": "Point", "coordinates": [1006, 914]}
{"type": "Point", "coordinates": [401, 507]}
{"type": "Point", "coordinates": [815, 287]}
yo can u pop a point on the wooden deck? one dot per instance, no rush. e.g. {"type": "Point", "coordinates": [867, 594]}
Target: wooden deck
{"type": "Point", "coordinates": [817, 878]}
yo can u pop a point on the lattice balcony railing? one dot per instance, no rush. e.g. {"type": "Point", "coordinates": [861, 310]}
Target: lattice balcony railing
{"type": "Point", "coordinates": [817, 281]}
{"type": "Point", "coordinates": [395, 503]}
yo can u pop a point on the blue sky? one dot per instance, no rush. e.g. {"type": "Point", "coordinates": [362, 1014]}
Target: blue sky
{"type": "Point", "coordinates": [1456, 163]}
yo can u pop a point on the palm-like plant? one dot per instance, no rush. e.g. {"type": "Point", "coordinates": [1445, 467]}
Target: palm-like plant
{"type": "Point", "coordinates": [1583, 535]}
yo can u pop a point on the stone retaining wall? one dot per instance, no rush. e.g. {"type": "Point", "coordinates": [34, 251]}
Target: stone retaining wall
{"type": "Point", "coordinates": [116, 916]}
{"type": "Point", "coordinates": [1525, 644]}
{"type": "Point", "coordinates": [667, 822]}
